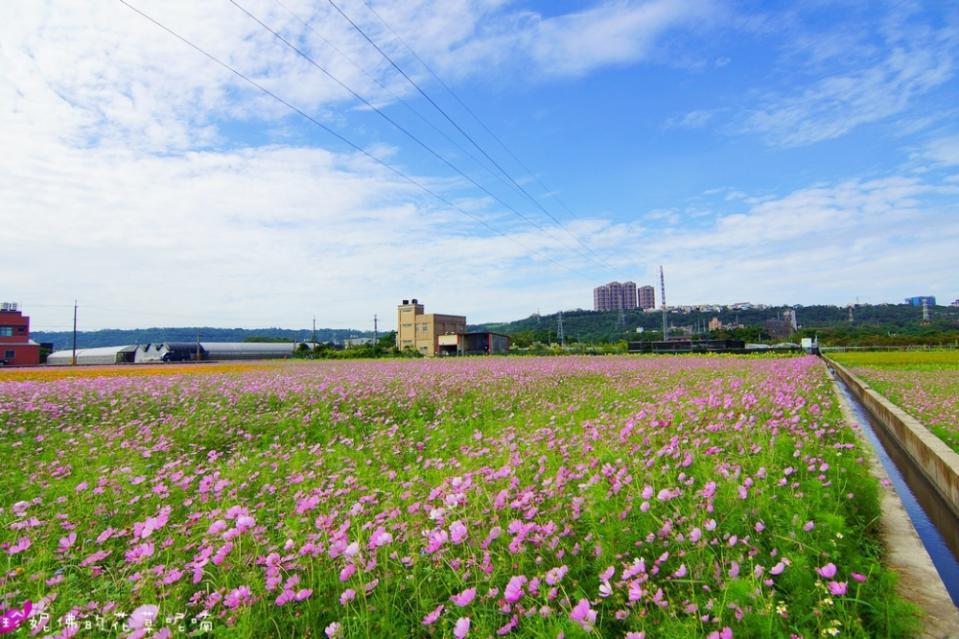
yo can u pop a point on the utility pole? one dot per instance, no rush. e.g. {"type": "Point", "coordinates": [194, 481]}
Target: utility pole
{"type": "Point", "coordinates": [314, 331]}
{"type": "Point", "coordinates": [560, 334]}
{"type": "Point", "coordinates": [376, 333]}
{"type": "Point", "coordinates": [74, 332]}
{"type": "Point", "coordinates": [662, 290]}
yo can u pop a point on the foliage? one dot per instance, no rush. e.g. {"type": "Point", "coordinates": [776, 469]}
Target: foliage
{"type": "Point", "coordinates": [873, 325]}
{"type": "Point", "coordinates": [924, 383]}
{"type": "Point", "coordinates": [590, 496]}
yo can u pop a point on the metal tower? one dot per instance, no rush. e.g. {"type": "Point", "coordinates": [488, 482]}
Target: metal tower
{"type": "Point", "coordinates": [560, 334]}
{"type": "Point", "coordinates": [662, 294]}
{"type": "Point", "coordinates": [925, 310]}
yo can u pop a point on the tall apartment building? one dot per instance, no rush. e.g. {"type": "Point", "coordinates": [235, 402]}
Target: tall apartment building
{"type": "Point", "coordinates": [16, 347]}
{"type": "Point", "coordinates": [421, 331]}
{"type": "Point", "coordinates": [647, 297]}
{"type": "Point", "coordinates": [614, 296]}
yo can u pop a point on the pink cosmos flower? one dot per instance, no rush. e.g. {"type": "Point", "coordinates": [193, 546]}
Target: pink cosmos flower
{"type": "Point", "coordinates": [858, 577]}
{"type": "Point", "coordinates": [461, 628]}
{"type": "Point", "coordinates": [334, 630]}
{"type": "Point", "coordinates": [348, 595]}
{"type": "Point", "coordinates": [636, 635]}
{"type": "Point", "coordinates": [431, 618]}
{"type": "Point", "coordinates": [837, 588]}
{"type": "Point", "coordinates": [238, 597]}
{"type": "Point", "coordinates": [777, 569]}
{"type": "Point", "coordinates": [142, 617]}
{"type": "Point", "coordinates": [66, 542]}
{"type": "Point", "coordinates": [508, 627]}
{"type": "Point", "coordinates": [514, 589]}
{"type": "Point", "coordinates": [139, 553]}
{"type": "Point", "coordinates": [303, 594]}
{"type": "Point", "coordinates": [380, 538]}
{"type": "Point", "coordinates": [725, 633]}
{"type": "Point", "coordinates": [464, 598]}
{"type": "Point", "coordinates": [458, 532]}
{"type": "Point", "coordinates": [555, 575]}
{"type": "Point", "coordinates": [583, 614]}
{"type": "Point", "coordinates": [828, 571]}
{"type": "Point", "coordinates": [22, 544]}
{"type": "Point", "coordinates": [106, 534]}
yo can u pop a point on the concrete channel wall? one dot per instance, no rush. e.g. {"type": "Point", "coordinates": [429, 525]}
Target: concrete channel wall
{"type": "Point", "coordinates": [937, 462]}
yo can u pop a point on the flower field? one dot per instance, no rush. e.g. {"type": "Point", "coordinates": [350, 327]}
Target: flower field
{"type": "Point", "coordinates": [923, 383]}
{"type": "Point", "coordinates": [607, 497]}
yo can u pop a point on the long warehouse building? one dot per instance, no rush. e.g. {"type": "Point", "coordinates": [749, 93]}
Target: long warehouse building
{"type": "Point", "coordinates": [173, 352]}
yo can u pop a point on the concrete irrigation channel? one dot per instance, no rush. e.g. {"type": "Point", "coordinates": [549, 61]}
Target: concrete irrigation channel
{"type": "Point", "coordinates": [920, 526]}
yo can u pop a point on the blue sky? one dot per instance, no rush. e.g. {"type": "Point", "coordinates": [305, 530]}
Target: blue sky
{"type": "Point", "coordinates": [771, 152]}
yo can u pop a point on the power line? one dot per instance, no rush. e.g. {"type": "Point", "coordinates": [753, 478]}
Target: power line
{"type": "Point", "coordinates": [322, 126]}
{"type": "Point", "coordinates": [429, 99]}
{"type": "Point", "coordinates": [465, 106]}
{"type": "Point", "coordinates": [386, 89]}
{"type": "Point", "coordinates": [390, 120]}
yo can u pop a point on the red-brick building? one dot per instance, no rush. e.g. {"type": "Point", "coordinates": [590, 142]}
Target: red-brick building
{"type": "Point", "coordinates": [16, 347]}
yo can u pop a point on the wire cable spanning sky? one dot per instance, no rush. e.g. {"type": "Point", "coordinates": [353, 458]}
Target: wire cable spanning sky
{"type": "Point", "coordinates": [401, 128]}
{"type": "Point", "coordinates": [801, 154]}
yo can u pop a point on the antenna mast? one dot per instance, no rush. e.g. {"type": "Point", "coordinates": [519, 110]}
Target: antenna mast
{"type": "Point", "coordinates": [662, 294]}
{"type": "Point", "coordinates": [559, 330]}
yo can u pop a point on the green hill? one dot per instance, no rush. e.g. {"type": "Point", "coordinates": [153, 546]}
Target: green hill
{"type": "Point", "coordinates": [872, 324]}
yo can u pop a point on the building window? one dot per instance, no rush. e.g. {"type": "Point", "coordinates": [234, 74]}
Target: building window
{"type": "Point", "coordinates": [20, 329]}
{"type": "Point", "coordinates": [407, 341]}
{"type": "Point", "coordinates": [6, 331]}
{"type": "Point", "coordinates": [10, 354]}
{"type": "Point", "coordinates": [407, 325]}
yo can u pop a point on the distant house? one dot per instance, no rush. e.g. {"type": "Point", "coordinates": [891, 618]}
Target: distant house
{"type": "Point", "coordinates": [421, 331]}
{"type": "Point", "coordinates": [475, 343]}
{"type": "Point", "coordinates": [16, 347]}
{"type": "Point", "coordinates": [353, 342]}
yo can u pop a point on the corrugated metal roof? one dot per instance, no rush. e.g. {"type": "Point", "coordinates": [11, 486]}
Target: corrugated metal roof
{"type": "Point", "coordinates": [102, 354]}
{"type": "Point", "coordinates": [248, 347]}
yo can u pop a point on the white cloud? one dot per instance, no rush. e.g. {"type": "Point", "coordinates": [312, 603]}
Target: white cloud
{"type": "Point", "coordinates": [691, 120]}
{"type": "Point", "coordinates": [877, 239]}
{"type": "Point", "coordinates": [572, 44]}
{"type": "Point", "coordinates": [854, 80]}
{"type": "Point", "coordinates": [124, 184]}
{"type": "Point", "coordinates": [943, 150]}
